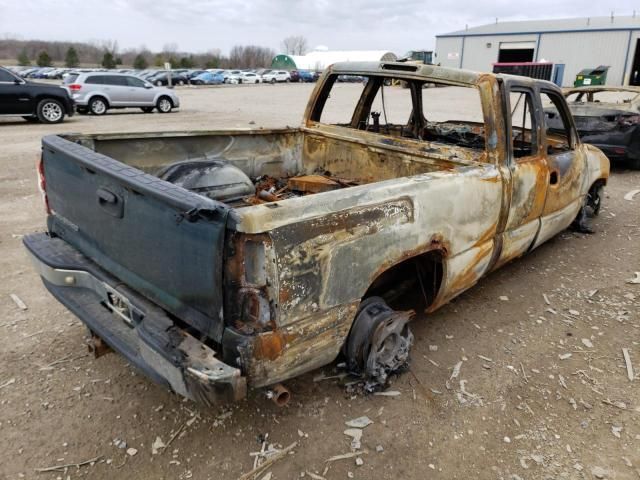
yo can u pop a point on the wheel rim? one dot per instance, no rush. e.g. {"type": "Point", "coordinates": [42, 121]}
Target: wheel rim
{"type": "Point", "coordinates": [51, 111]}
{"type": "Point", "coordinates": [98, 107]}
{"type": "Point", "coordinates": [164, 105]}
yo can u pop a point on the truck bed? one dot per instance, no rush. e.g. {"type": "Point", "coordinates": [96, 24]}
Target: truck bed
{"type": "Point", "coordinates": [277, 164]}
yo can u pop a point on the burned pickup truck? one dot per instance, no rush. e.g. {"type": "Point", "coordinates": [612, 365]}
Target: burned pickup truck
{"type": "Point", "coordinates": [220, 260]}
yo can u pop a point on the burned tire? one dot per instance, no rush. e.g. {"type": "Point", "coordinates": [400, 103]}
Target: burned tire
{"type": "Point", "coordinates": [594, 198]}
{"type": "Point", "coordinates": [379, 342]}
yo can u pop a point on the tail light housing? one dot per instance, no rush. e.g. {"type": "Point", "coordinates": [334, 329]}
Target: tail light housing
{"type": "Point", "coordinates": [75, 87]}
{"type": "Point", "coordinates": [249, 284]}
{"type": "Point", "coordinates": [42, 185]}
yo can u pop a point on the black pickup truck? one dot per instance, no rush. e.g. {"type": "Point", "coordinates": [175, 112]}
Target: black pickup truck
{"type": "Point", "coordinates": [33, 101]}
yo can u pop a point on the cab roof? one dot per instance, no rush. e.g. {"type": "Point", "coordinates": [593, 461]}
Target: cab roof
{"type": "Point", "coordinates": [427, 72]}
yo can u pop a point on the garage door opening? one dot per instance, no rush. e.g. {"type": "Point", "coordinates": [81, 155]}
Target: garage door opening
{"type": "Point", "coordinates": [516, 52]}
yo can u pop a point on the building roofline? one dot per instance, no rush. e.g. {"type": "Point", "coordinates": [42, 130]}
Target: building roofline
{"type": "Point", "coordinates": [537, 32]}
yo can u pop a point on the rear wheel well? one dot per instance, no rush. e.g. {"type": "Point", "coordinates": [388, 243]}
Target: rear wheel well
{"type": "Point", "coordinates": [420, 275]}
{"type": "Point", "coordinates": [101, 97]}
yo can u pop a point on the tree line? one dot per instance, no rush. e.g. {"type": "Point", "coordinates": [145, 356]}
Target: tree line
{"type": "Point", "coordinates": [107, 54]}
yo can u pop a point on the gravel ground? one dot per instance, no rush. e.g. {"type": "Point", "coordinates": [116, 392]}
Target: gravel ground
{"type": "Point", "coordinates": [541, 391]}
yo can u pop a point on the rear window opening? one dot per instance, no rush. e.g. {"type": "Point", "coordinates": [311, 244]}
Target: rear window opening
{"type": "Point", "coordinates": [410, 109]}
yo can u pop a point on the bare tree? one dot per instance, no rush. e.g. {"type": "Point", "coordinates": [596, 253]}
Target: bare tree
{"type": "Point", "coordinates": [250, 56]}
{"type": "Point", "coordinates": [295, 45]}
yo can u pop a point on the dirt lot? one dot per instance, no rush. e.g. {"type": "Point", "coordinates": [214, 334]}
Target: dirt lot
{"type": "Point", "coordinates": [545, 392]}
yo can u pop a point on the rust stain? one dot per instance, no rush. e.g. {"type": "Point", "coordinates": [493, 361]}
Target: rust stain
{"type": "Point", "coordinates": [270, 345]}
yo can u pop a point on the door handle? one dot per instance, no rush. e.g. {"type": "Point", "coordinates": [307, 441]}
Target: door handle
{"type": "Point", "coordinates": [110, 202]}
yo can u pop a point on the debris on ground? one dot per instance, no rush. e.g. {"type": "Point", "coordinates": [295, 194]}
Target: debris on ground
{"type": "Point", "coordinates": [599, 472]}
{"type": "Point", "coordinates": [62, 468]}
{"type": "Point", "coordinates": [388, 393]}
{"type": "Point", "coordinates": [360, 422]}
{"type": "Point", "coordinates": [270, 457]}
{"type": "Point", "coordinates": [356, 437]}
{"type": "Point", "coordinates": [120, 443]}
{"type": "Point", "coordinates": [627, 361]}
{"type": "Point", "coordinates": [132, 451]}
{"type": "Point", "coordinates": [456, 371]}
{"type": "Point", "coordinates": [629, 195]}
{"type": "Point", "coordinates": [11, 381]}
{"type": "Point", "coordinates": [635, 280]}
{"type": "Point", "coordinates": [314, 475]}
{"type": "Point", "coordinates": [16, 299]}
{"type": "Point", "coordinates": [157, 446]}
{"type": "Point", "coordinates": [344, 456]}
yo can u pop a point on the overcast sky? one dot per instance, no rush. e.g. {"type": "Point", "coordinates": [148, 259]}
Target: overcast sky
{"type": "Point", "coordinates": [202, 25]}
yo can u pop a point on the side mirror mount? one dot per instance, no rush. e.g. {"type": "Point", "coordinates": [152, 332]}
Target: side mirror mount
{"type": "Point", "coordinates": [17, 81]}
{"type": "Point", "coordinates": [148, 85]}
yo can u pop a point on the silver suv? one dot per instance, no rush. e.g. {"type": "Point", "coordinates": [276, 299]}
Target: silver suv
{"type": "Point", "coordinates": [96, 92]}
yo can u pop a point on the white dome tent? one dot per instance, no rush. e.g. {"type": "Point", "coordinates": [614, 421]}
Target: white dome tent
{"type": "Point", "coordinates": [320, 58]}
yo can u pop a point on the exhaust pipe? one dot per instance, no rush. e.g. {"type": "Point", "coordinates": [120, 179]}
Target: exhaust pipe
{"type": "Point", "coordinates": [279, 394]}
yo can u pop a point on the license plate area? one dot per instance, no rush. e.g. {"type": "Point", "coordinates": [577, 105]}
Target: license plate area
{"type": "Point", "coordinates": [119, 305]}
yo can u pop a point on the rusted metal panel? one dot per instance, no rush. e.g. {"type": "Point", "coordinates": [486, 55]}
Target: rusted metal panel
{"type": "Point", "coordinates": [310, 343]}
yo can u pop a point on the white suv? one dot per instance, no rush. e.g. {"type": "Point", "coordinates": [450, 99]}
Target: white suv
{"type": "Point", "coordinates": [276, 76]}
{"type": "Point", "coordinates": [96, 92]}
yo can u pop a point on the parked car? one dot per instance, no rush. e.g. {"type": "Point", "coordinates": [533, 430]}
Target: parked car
{"type": "Point", "coordinates": [33, 101]}
{"type": "Point", "coordinates": [307, 76]}
{"type": "Point", "coordinates": [232, 76]}
{"type": "Point", "coordinates": [98, 92]}
{"type": "Point", "coordinates": [294, 75]}
{"type": "Point", "coordinates": [276, 76]}
{"type": "Point", "coordinates": [194, 73]}
{"type": "Point", "coordinates": [607, 117]}
{"type": "Point", "coordinates": [162, 79]}
{"type": "Point", "coordinates": [184, 270]}
{"type": "Point", "coordinates": [249, 77]}
{"type": "Point", "coordinates": [208, 78]}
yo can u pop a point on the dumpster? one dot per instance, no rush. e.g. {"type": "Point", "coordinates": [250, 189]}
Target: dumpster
{"type": "Point", "coordinates": [591, 76]}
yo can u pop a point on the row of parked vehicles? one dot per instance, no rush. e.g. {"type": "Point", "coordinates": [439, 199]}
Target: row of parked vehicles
{"type": "Point", "coordinates": [218, 76]}
{"type": "Point", "coordinates": [213, 76]}
{"type": "Point", "coordinates": [96, 91]}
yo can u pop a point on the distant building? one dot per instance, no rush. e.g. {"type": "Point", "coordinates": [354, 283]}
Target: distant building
{"type": "Point", "coordinates": [572, 44]}
{"type": "Point", "coordinates": [319, 59]}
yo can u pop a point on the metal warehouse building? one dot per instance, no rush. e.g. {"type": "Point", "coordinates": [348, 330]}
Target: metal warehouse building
{"type": "Point", "coordinates": [571, 44]}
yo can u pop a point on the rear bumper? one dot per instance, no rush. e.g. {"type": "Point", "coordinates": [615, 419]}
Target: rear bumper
{"type": "Point", "coordinates": [145, 336]}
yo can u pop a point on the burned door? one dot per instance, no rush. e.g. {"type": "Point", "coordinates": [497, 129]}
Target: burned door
{"type": "Point", "coordinates": [566, 168]}
{"type": "Point", "coordinates": [528, 170]}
